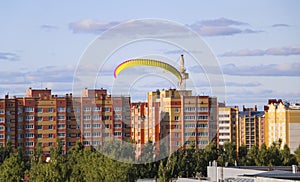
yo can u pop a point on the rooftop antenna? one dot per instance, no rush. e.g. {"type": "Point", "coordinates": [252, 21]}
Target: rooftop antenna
{"type": "Point", "coordinates": [183, 73]}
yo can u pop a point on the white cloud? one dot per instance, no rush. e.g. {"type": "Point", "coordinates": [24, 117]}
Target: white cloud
{"type": "Point", "coordinates": [214, 27]}
{"type": "Point", "coordinates": [220, 27]}
{"type": "Point", "coordinates": [91, 26]}
{"type": "Point", "coordinates": [280, 25]}
{"type": "Point", "coordinates": [278, 51]}
{"type": "Point", "coordinates": [286, 69]}
{"type": "Point", "coordinates": [9, 56]}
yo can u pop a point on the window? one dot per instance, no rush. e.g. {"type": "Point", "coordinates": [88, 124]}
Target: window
{"type": "Point", "coordinates": [29, 135]}
{"type": "Point", "coordinates": [117, 125]}
{"type": "Point", "coordinates": [202, 125]}
{"type": "Point", "coordinates": [59, 126]}
{"type": "Point", "coordinates": [50, 109]}
{"type": "Point", "coordinates": [107, 126]}
{"type": "Point", "coordinates": [106, 109]}
{"type": "Point", "coordinates": [96, 108]}
{"type": "Point", "coordinates": [40, 136]}
{"type": "Point", "coordinates": [28, 152]}
{"type": "Point", "coordinates": [85, 142]}
{"type": "Point", "coordinates": [189, 109]}
{"type": "Point", "coordinates": [1, 120]}
{"type": "Point", "coordinates": [189, 125]}
{"type": "Point", "coordinates": [40, 118]}
{"type": "Point", "coordinates": [117, 116]}
{"type": "Point", "coordinates": [50, 144]}
{"type": "Point", "coordinates": [176, 126]}
{"type": "Point", "coordinates": [117, 133]}
{"type": "Point", "coordinates": [176, 143]}
{"type": "Point", "coordinates": [69, 126]}
{"type": "Point", "coordinates": [20, 136]}
{"type": "Point", "coordinates": [60, 135]}
{"type": "Point", "coordinates": [202, 117]}
{"type": "Point", "coordinates": [77, 109]}
{"type": "Point", "coordinates": [69, 109]}
{"type": "Point", "coordinates": [77, 135]}
{"type": "Point", "coordinates": [189, 134]}
{"type": "Point", "coordinates": [40, 127]}
{"type": "Point", "coordinates": [29, 109]}
{"type": "Point", "coordinates": [96, 134]}
{"type": "Point", "coordinates": [29, 118]}
{"type": "Point", "coordinates": [50, 135]}
{"type": "Point", "coordinates": [28, 144]}
{"type": "Point", "coordinates": [1, 128]}
{"type": "Point", "coordinates": [106, 117]}
{"type": "Point", "coordinates": [176, 118]}
{"type": "Point", "coordinates": [86, 134]}
{"type": "Point", "coordinates": [176, 110]}
{"type": "Point", "coordinates": [202, 134]}
{"type": "Point", "coordinates": [86, 117]}
{"type": "Point", "coordinates": [117, 108]}
{"type": "Point", "coordinates": [77, 118]}
{"type": "Point", "coordinates": [96, 117]}
{"type": "Point", "coordinates": [202, 109]}
{"type": "Point", "coordinates": [96, 125]}
{"type": "Point", "coordinates": [20, 119]}
{"type": "Point", "coordinates": [1, 111]}
{"type": "Point", "coordinates": [50, 127]}
{"type": "Point", "coordinates": [40, 109]}
{"type": "Point", "coordinates": [20, 127]}
{"type": "Point", "coordinates": [1, 136]}
{"type": "Point", "coordinates": [7, 113]}
{"type": "Point", "coordinates": [29, 126]}
{"type": "Point", "coordinates": [189, 117]}
{"type": "Point", "coordinates": [61, 117]}
{"type": "Point", "coordinates": [20, 110]}
{"type": "Point", "coordinates": [87, 109]}
{"type": "Point", "coordinates": [202, 142]}
{"type": "Point", "coordinates": [176, 135]}
{"type": "Point", "coordinates": [61, 109]}
{"type": "Point", "coordinates": [95, 143]}
{"type": "Point", "coordinates": [86, 125]}
{"type": "Point", "coordinates": [50, 118]}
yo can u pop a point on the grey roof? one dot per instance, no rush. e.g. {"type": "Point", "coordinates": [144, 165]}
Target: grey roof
{"type": "Point", "coordinates": [278, 174]}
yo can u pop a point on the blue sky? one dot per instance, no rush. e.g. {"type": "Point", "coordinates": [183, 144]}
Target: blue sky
{"type": "Point", "coordinates": [256, 43]}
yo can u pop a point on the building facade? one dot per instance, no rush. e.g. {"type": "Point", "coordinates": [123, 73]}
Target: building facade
{"type": "Point", "coordinates": [228, 120]}
{"type": "Point", "coordinates": [250, 127]}
{"type": "Point", "coordinates": [283, 122]}
{"type": "Point", "coordinates": [41, 118]}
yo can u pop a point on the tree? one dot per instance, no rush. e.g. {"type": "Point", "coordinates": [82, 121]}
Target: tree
{"type": "Point", "coordinates": [274, 155]}
{"type": "Point", "coordinates": [288, 159]}
{"type": "Point", "coordinates": [252, 157]}
{"type": "Point", "coordinates": [242, 155]}
{"type": "Point", "coordinates": [297, 154]}
{"type": "Point", "coordinates": [12, 169]}
{"type": "Point", "coordinates": [226, 154]}
{"type": "Point", "coordinates": [263, 158]}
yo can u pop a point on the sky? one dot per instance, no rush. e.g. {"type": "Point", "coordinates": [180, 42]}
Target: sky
{"type": "Point", "coordinates": [256, 44]}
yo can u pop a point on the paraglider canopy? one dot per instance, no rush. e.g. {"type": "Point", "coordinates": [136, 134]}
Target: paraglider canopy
{"type": "Point", "coordinates": [147, 62]}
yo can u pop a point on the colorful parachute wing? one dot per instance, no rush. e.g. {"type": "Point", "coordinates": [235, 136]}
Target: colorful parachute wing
{"type": "Point", "coordinates": [147, 62]}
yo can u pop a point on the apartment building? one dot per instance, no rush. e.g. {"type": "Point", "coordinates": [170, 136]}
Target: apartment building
{"type": "Point", "coordinates": [139, 126]}
{"type": "Point", "coordinates": [41, 118]}
{"type": "Point", "coordinates": [282, 122]}
{"type": "Point", "coordinates": [228, 120]}
{"type": "Point", "coordinates": [250, 127]}
{"type": "Point", "coordinates": [179, 119]}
